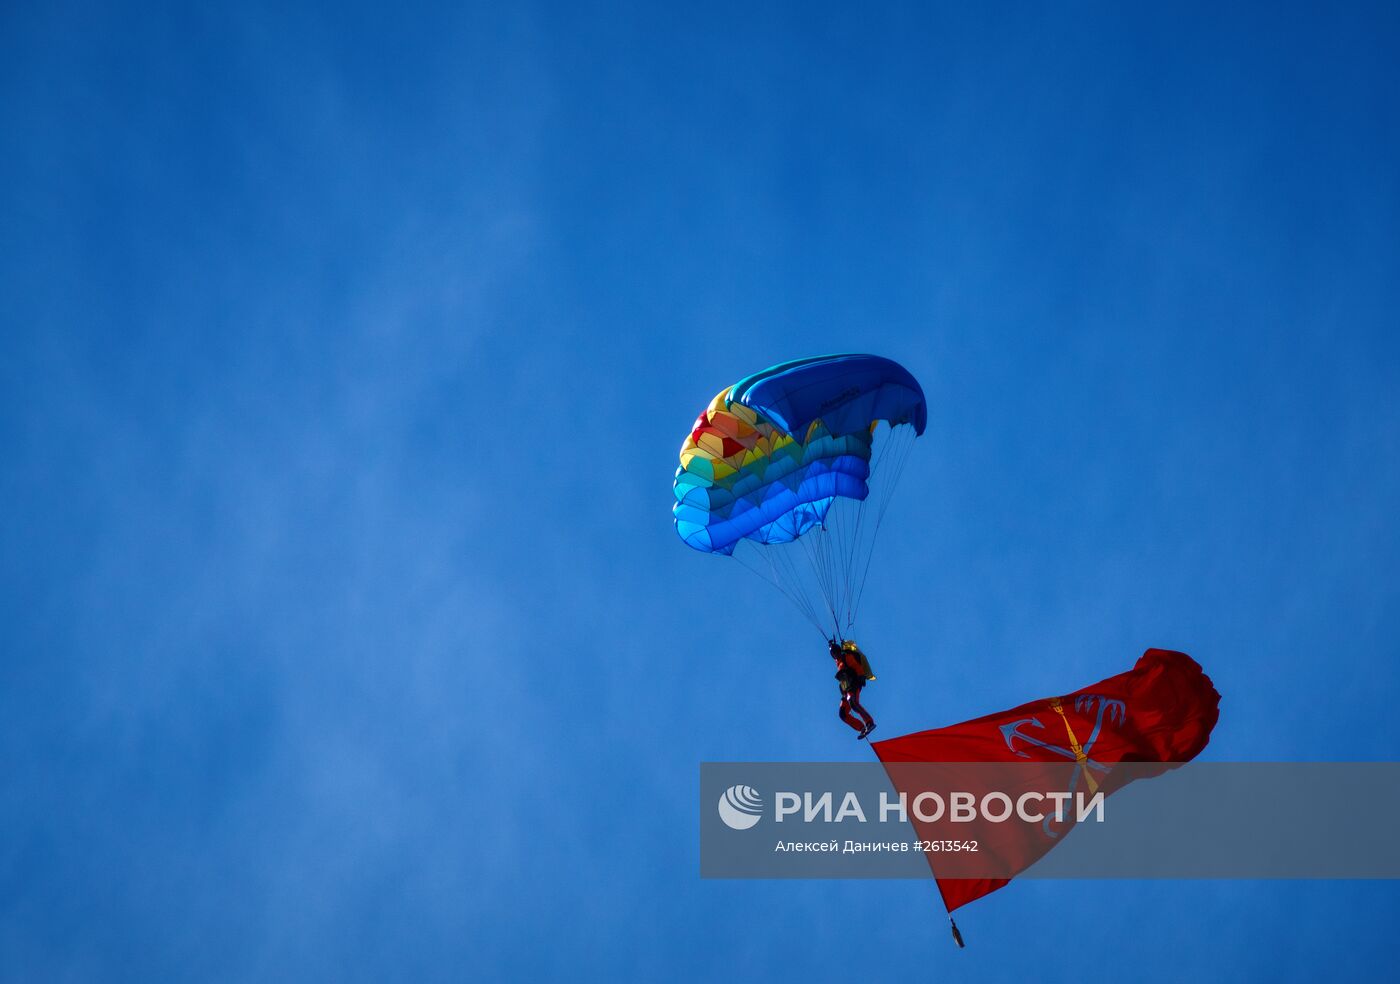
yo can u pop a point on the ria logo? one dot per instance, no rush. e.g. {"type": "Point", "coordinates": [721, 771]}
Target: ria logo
{"type": "Point", "coordinates": [740, 807]}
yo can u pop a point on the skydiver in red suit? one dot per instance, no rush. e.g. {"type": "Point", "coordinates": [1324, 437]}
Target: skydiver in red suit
{"type": "Point", "coordinates": [852, 671]}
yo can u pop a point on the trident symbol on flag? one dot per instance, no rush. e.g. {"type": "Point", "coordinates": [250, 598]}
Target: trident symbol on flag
{"type": "Point", "coordinates": [1114, 710]}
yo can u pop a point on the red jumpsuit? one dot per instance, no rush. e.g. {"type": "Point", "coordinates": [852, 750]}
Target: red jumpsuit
{"type": "Point", "coordinates": [850, 697]}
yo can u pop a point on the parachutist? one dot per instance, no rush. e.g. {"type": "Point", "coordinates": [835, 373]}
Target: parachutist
{"type": "Point", "coordinates": [852, 673]}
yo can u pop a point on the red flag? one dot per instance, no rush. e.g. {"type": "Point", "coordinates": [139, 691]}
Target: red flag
{"type": "Point", "coordinates": [1162, 710]}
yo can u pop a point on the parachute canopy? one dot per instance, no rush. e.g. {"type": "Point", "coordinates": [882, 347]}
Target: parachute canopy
{"type": "Point", "coordinates": [770, 455]}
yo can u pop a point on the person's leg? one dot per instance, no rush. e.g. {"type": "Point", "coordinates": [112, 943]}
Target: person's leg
{"type": "Point", "coordinates": [854, 698]}
{"type": "Point", "coordinates": [847, 716]}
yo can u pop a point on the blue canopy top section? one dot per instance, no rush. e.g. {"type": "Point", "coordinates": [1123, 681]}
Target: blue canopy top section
{"type": "Point", "coordinates": [846, 392]}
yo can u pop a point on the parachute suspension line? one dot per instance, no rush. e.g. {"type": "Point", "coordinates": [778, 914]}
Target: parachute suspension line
{"type": "Point", "coordinates": [798, 599]}
{"type": "Point", "coordinates": [839, 553]}
{"type": "Point", "coordinates": [896, 457]}
{"type": "Point", "coordinates": [817, 546]}
{"type": "Point", "coordinates": [829, 588]}
{"type": "Point", "coordinates": [835, 547]}
{"type": "Point", "coordinates": [837, 561]}
{"type": "Point", "coordinates": [795, 577]}
{"type": "Point", "coordinates": [817, 550]}
{"type": "Point", "coordinates": [853, 553]}
{"type": "Point", "coordinates": [839, 546]}
{"type": "Point", "coordinates": [895, 440]}
{"type": "Point", "coordinates": [780, 557]}
{"type": "Point", "coordinates": [786, 582]}
{"type": "Point", "coordinates": [898, 461]}
{"type": "Point", "coordinates": [816, 565]}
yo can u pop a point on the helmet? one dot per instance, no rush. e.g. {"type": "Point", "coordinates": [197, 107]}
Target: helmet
{"type": "Point", "coordinates": [850, 646]}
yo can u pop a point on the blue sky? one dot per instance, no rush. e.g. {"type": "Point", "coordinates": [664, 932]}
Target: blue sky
{"type": "Point", "coordinates": [346, 354]}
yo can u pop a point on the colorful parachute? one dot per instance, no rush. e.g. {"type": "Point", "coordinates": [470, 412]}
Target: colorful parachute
{"type": "Point", "coordinates": [773, 459]}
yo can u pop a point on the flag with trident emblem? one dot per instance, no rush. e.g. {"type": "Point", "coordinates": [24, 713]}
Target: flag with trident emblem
{"type": "Point", "coordinates": [1160, 711]}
